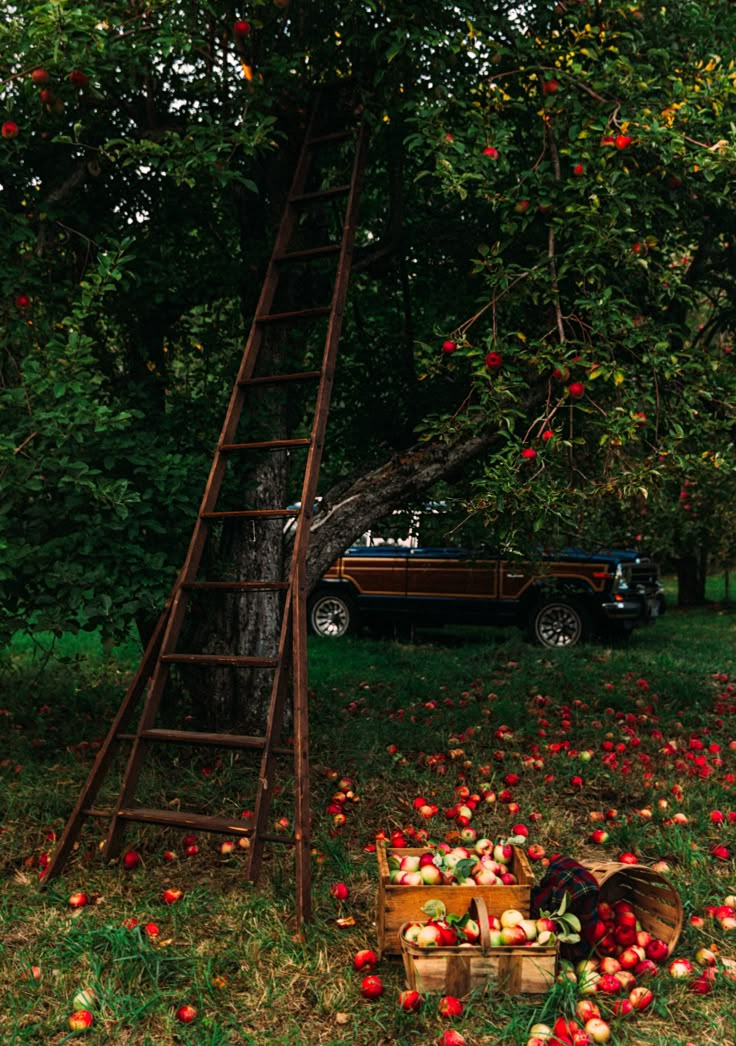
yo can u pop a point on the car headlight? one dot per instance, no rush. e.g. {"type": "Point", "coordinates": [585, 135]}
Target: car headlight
{"type": "Point", "coordinates": [619, 581]}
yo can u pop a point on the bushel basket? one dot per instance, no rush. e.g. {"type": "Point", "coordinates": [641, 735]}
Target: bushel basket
{"type": "Point", "coordinates": [397, 904]}
{"type": "Point", "coordinates": [655, 901]}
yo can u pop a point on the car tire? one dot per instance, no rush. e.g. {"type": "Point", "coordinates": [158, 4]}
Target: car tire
{"type": "Point", "coordinates": [331, 615]}
{"type": "Point", "coordinates": [558, 623]}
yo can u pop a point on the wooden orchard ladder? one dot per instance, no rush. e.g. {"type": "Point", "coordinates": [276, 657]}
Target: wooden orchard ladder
{"type": "Point", "coordinates": [289, 665]}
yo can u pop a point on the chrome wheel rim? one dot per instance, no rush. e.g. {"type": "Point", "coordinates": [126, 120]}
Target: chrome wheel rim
{"type": "Point", "coordinates": [559, 625]}
{"type": "Point", "coordinates": [330, 617]}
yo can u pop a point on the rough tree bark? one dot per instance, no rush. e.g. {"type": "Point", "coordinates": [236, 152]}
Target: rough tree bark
{"type": "Point", "coordinates": [250, 625]}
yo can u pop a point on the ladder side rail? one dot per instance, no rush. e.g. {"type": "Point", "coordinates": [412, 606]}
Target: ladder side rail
{"type": "Point", "coordinates": [272, 736]}
{"type": "Point", "coordinates": [314, 455]}
{"type": "Point", "coordinates": [302, 802]}
{"type": "Point", "coordinates": [105, 755]}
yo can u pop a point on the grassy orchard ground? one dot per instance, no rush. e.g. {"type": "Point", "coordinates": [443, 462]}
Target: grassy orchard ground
{"type": "Point", "coordinates": [231, 950]}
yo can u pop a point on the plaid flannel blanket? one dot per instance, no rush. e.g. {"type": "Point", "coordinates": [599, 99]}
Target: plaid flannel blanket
{"type": "Point", "coordinates": [567, 876]}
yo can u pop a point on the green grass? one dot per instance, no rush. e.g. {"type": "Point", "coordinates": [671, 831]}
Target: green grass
{"type": "Point", "coordinates": [402, 720]}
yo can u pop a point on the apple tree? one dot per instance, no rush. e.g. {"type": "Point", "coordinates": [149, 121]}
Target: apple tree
{"type": "Point", "coordinates": [541, 307]}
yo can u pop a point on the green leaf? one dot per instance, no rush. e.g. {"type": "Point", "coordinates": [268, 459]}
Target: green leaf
{"type": "Point", "coordinates": [434, 909]}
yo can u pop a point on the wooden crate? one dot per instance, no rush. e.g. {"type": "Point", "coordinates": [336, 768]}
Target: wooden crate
{"type": "Point", "coordinates": [402, 904]}
{"type": "Point", "coordinates": [529, 970]}
{"type": "Point", "coordinates": [655, 901]}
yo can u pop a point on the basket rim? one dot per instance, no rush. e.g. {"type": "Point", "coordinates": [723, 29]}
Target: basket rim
{"type": "Point", "coordinates": [502, 949]}
{"type": "Point", "coordinates": [484, 947]}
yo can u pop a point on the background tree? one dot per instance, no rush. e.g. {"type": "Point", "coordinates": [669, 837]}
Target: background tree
{"type": "Point", "coordinates": [547, 195]}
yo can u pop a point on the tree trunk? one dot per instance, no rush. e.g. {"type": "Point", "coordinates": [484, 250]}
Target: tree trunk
{"type": "Point", "coordinates": [250, 624]}
{"type": "Point", "coordinates": [245, 623]}
{"type": "Point", "coordinates": [691, 574]}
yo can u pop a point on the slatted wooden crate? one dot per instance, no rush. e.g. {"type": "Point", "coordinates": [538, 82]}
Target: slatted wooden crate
{"type": "Point", "coordinates": [458, 970]}
{"type": "Point", "coordinates": [654, 899]}
{"type": "Point", "coordinates": [401, 904]}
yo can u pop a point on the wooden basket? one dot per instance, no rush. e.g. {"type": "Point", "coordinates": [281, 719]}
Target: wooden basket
{"type": "Point", "coordinates": [458, 970]}
{"type": "Point", "coordinates": [655, 901]}
{"type": "Point", "coordinates": [401, 904]}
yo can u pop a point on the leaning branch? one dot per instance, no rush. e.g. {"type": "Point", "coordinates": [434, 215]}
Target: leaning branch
{"type": "Point", "coordinates": [346, 513]}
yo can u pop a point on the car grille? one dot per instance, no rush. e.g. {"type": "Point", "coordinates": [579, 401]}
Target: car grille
{"type": "Point", "coordinates": [644, 573]}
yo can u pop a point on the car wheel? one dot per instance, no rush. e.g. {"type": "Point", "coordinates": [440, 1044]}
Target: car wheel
{"type": "Point", "coordinates": [558, 623]}
{"type": "Point", "coordinates": [331, 615]}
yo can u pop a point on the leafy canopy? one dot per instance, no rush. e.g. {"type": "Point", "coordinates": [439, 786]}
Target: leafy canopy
{"type": "Point", "coordinates": [551, 184]}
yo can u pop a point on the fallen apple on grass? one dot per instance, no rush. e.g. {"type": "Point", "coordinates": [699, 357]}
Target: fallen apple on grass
{"type": "Point", "coordinates": [540, 1032]}
{"type": "Point", "coordinates": [132, 859]}
{"type": "Point", "coordinates": [680, 968]}
{"type": "Point", "coordinates": [81, 1020]}
{"type": "Point", "coordinates": [598, 1030]}
{"type": "Point", "coordinates": [410, 1000]}
{"type": "Point", "coordinates": [85, 999]}
{"type": "Point", "coordinates": [365, 960]}
{"type": "Point", "coordinates": [449, 1007]}
{"type": "Point", "coordinates": [450, 1037]}
{"type": "Point", "coordinates": [371, 987]}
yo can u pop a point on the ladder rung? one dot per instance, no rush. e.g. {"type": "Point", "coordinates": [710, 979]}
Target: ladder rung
{"type": "Point", "coordinates": [275, 379]}
{"type": "Point", "coordinates": [251, 513]}
{"type": "Point", "coordinates": [307, 253]}
{"type": "Point", "coordinates": [333, 136]}
{"type": "Point", "coordinates": [267, 444]}
{"type": "Point", "coordinates": [321, 194]}
{"type": "Point", "coordinates": [298, 314]}
{"type": "Point", "coordinates": [220, 659]}
{"type": "Point", "coordinates": [178, 819]}
{"type": "Point", "coordinates": [290, 840]}
{"type": "Point", "coordinates": [195, 737]}
{"type": "Point", "coordinates": [236, 586]}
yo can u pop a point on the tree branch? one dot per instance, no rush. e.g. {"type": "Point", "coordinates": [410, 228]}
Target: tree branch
{"type": "Point", "coordinates": [346, 512]}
